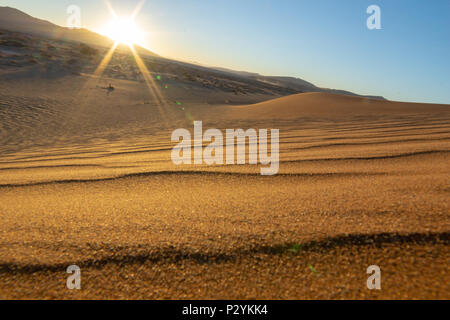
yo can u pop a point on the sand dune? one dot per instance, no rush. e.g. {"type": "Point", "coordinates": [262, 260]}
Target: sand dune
{"type": "Point", "coordinates": [360, 183]}
{"type": "Point", "coordinates": [329, 105]}
{"type": "Point", "coordinates": [86, 178]}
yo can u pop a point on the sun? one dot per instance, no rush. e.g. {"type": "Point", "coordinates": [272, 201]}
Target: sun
{"type": "Point", "coordinates": [123, 30]}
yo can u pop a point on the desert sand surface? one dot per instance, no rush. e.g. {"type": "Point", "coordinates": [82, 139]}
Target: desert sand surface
{"type": "Point", "coordinates": [86, 178]}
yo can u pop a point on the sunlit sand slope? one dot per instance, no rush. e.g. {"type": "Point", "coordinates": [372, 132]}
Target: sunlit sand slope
{"type": "Point", "coordinates": [361, 182]}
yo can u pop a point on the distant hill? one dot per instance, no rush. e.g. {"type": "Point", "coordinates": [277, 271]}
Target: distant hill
{"type": "Point", "coordinates": [12, 19]}
{"type": "Point", "coordinates": [15, 20]}
{"type": "Point", "coordinates": [295, 84]}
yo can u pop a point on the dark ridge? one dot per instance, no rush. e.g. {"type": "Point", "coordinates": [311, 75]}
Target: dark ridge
{"type": "Point", "coordinates": [55, 166]}
{"type": "Point", "coordinates": [395, 156]}
{"type": "Point", "coordinates": [171, 254]}
{"type": "Point", "coordinates": [341, 144]}
{"type": "Point", "coordinates": [193, 173]}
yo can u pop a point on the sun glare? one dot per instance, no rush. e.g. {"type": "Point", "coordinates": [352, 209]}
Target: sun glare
{"type": "Point", "coordinates": [123, 30]}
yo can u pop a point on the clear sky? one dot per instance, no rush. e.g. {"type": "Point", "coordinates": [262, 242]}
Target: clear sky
{"type": "Point", "coordinates": [325, 42]}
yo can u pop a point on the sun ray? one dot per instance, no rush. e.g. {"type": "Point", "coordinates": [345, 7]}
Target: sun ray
{"type": "Point", "coordinates": [110, 8]}
{"type": "Point", "coordinates": [96, 76]}
{"type": "Point", "coordinates": [154, 91]}
{"type": "Point", "coordinates": [138, 9]}
{"type": "Point", "coordinates": [149, 81]}
{"type": "Point", "coordinates": [84, 94]}
{"type": "Point", "coordinates": [106, 60]}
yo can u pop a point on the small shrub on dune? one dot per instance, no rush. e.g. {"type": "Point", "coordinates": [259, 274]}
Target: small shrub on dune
{"type": "Point", "coordinates": [88, 51]}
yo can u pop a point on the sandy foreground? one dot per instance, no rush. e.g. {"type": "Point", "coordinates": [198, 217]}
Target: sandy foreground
{"type": "Point", "coordinates": [86, 178]}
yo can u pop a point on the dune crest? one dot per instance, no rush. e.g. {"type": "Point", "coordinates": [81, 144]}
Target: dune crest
{"type": "Point", "coordinates": [332, 105]}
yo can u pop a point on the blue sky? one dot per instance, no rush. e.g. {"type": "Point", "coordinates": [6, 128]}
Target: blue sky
{"type": "Point", "coordinates": [322, 41]}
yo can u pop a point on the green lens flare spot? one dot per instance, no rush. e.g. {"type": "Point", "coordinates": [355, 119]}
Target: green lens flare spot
{"type": "Point", "coordinates": [179, 103]}
{"type": "Point", "coordinates": [158, 77]}
{"type": "Point", "coordinates": [167, 87]}
{"type": "Point", "coordinates": [312, 269]}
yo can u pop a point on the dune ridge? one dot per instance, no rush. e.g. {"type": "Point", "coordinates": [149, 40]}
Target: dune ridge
{"type": "Point", "coordinates": [332, 105]}
{"type": "Point", "coordinates": [171, 254]}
